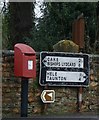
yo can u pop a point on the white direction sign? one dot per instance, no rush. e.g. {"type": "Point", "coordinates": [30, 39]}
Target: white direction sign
{"type": "Point", "coordinates": [70, 62]}
{"type": "Point", "coordinates": [65, 76]}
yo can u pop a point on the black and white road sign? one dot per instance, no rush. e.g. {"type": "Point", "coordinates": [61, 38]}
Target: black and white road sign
{"type": "Point", "coordinates": [64, 69]}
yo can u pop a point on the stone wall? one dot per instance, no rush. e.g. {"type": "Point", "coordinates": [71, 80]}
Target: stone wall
{"type": "Point", "coordinates": [66, 97]}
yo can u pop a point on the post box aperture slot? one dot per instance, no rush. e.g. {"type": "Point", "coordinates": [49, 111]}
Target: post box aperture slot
{"type": "Point", "coordinates": [29, 54]}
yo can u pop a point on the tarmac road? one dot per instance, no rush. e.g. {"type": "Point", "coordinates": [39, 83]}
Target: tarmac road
{"type": "Point", "coordinates": [69, 117]}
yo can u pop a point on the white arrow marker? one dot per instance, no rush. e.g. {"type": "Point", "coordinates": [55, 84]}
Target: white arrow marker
{"type": "Point", "coordinates": [70, 62]}
{"type": "Point", "coordinates": [43, 96]}
{"type": "Point", "coordinates": [62, 76]}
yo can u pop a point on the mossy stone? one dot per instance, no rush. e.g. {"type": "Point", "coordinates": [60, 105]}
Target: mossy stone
{"type": "Point", "coordinates": [66, 46]}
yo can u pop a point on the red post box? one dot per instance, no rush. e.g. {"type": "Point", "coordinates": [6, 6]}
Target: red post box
{"type": "Point", "coordinates": [24, 61]}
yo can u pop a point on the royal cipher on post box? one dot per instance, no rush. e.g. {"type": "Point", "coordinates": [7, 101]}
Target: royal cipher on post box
{"type": "Point", "coordinates": [24, 61]}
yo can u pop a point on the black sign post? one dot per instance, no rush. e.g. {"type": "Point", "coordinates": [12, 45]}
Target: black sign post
{"type": "Point", "coordinates": [24, 97]}
{"type": "Point", "coordinates": [64, 69]}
